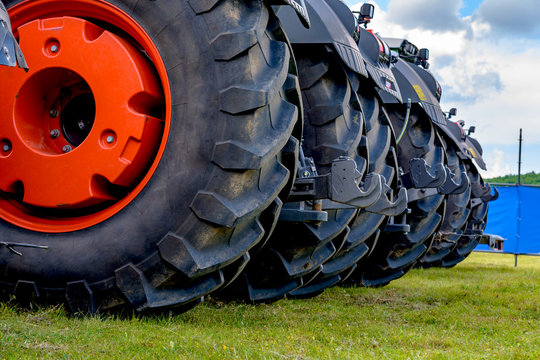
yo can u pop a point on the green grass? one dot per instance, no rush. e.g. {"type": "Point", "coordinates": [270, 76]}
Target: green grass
{"type": "Point", "coordinates": [482, 309]}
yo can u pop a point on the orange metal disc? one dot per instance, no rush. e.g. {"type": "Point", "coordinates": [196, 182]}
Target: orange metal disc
{"type": "Point", "coordinates": [82, 132]}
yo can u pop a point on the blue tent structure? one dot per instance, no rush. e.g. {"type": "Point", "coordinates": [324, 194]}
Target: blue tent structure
{"type": "Point", "coordinates": [515, 216]}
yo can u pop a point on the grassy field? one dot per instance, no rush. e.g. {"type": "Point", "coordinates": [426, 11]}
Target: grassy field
{"type": "Point", "coordinates": [482, 309]}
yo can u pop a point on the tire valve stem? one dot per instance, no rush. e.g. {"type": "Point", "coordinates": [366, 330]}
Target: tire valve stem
{"type": "Point", "coordinates": [55, 133]}
{"type": "Point", "coordinates": [67, 148]}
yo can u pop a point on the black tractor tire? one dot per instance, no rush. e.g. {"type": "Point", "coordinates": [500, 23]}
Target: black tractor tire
{"type": "Point", "coordinates": [288, 157]}
{"type": "Point", "coordinates": [333, 126]}
{"type": "Point", "coordinates": [476, 222]}
{"type": "Point", "coordinates": [395, 252]}
{"type": "Point", "coordinates": [454, 224]}
{"type": "Point", "coordinates": [201, 210]}
{"type": "Point", "coordinates": [379, 140]}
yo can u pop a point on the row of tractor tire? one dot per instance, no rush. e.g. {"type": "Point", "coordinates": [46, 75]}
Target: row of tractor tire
{"type": "Point", "coordinates": [247, 194]}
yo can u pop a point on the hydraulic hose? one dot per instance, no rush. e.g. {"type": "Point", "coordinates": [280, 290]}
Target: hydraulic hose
{"type": "Point", "coordinates": [406, 120]}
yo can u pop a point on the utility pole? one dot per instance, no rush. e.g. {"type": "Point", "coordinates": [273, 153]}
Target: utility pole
{"type": "Point", "coordinates": [519, 158]}
{"type": "Point", "coordinates": [519, 198]}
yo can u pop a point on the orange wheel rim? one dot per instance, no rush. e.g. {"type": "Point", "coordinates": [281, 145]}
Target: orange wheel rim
{"type": "Point", "coordinates": [83, 131]}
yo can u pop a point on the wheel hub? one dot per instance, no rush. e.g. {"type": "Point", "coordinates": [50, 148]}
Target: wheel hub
{"type": "Point", "coordinates": [82, 131]}
{"type": "Point", "coordinates": [77, 114]}
{"type": "Point", "coordinates": [82, 113]}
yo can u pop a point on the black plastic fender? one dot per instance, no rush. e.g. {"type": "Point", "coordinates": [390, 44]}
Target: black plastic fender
{"type": "Point", "coordinates": [475, 150]}
{"type": "Point", "coordinates": [326, 28]}
{"type": "Point", "coordinates": [333, 23]}
{"type": "Point", "coordinates": [414, 87]}
{"type": "Point", "coordinates": [429, 80]}
{"type": "Point", "coordinates": [344, 13]}
{"type": "Point", "coordinates": [299, 7]}
{"type": "Point", "coordinates": [469, 148]}
{"type": "Point", "coordinates": [378, 61]}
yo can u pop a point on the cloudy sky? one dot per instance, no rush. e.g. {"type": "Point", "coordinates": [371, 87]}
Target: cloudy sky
{"type": "Point", "coordinates": [486, 55]}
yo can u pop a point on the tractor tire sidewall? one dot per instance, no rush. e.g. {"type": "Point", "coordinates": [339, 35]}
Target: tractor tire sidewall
{"type": "Point", "coordinates": [476, 222]}
{"type": "Point", "coordinates": [296, 250]}
{"type": "Point", "coordinates": [396, 253]}
{"type": "Point", "coordinates": [196, 79]}
{"type": "Point", "coordinates": [454, 223]}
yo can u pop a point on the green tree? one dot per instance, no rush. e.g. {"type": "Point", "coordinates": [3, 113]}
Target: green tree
{"type": "Point", "coordinates": [530, 178]}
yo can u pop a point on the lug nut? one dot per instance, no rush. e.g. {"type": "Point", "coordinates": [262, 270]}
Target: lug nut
{"type": "Point", "coordinates": [6, 148]}
{"type": "Point", "coordinates": [67, 148]}
{"type": "Point", "coordinates": [55, 133]}
{"type": "Point", "coordinates": [306, 173]}
{"type": "Point", "coordinates": [54, 48]}
{"type": "Point", "coordinates": [110, 139]}
{"type": "Point", "coordinates": [53, 113]}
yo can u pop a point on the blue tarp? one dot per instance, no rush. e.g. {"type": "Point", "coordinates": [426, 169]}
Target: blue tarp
{"type": "Point", "coordinates": [515, 216]}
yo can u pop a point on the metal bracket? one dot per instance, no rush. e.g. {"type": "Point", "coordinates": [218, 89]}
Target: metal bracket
{"type": "Point", "coordinates": [450, 187]}
{"type": "Point", "coordinates": [422, 176]}
{"type": "Point", "coordinates": [398, 224]}
{"type": "Point", "coordinates": [340, 186]}
{"type": "Point", "coordinates": [397, 228]}
{"type": "Point", "coordinates": [475, 202]}
{"type": "Point", "coordinates": [328, 204]}
{"type": "Point", "coordinates": [483, 198]}
{"type": "Point", "coordinates": [311, 188]}
{"type": "Point", "coordinates": [417, 194]}
{"type": "Point", "coordinates": [344, 188]}
{"type": "Point", "coordinates": [302, 215]}
{"type": "Point", "coordinates": [10, 246]}
{"type": "Point", "coordinates": [495, 242]}
{"type": "Point", "coordinates": [484, 192]}
{"type": "Point", "coordinates": [384, 206]}
{"type": "Point", "coordinates": [11, 54]}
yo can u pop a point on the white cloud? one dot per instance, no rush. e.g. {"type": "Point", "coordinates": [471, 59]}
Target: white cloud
{"type": "Point", "coordinates": [491, 76]}
{"type": "Point", "coordinates": [499, 165]}
{"type": "Point", "coordinates": [517, 17]}
{"type": "Point", "coordinates": [497, 113]}
{"type": "Point", "coordinates": [430, 15]}
{"type": "Point", "coordinates": [439, 42]}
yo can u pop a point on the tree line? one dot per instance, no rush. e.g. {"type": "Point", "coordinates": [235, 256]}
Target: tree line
{"type": "Point", "coordinates": [530, 178]}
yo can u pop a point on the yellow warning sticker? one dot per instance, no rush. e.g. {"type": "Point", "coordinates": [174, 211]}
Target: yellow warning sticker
{"type": "Point", "coordinates": [419, 92]}
{"type": "Point", "coordinates": [473, 153]}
